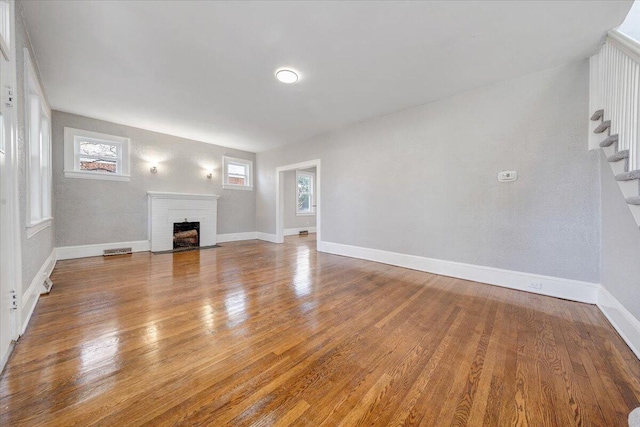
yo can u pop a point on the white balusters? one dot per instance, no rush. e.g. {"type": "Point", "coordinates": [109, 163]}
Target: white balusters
{"type": "Point", "coordinates": [618, 92]}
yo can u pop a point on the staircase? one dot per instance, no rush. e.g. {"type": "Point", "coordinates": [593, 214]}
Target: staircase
{"type": "Point", "coordinates": [614, 96]}
{"type": "Point", "coordinates": [611, 141]}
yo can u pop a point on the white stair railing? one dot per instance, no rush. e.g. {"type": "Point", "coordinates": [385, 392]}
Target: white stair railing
{"type": "Point", "coordinates": [615, 88]}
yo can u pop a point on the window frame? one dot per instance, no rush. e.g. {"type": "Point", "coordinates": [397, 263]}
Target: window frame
{"type": "Point", "coordinates": [72, 139]}
{"type": "Point", "coordinates": [312, 176]}
{"type": "Point", "coordinates": [226, 161]}
{"type": "Point", "coordinates": [39, 179]}
{"type": "Point", "coordinates": [5, 25]}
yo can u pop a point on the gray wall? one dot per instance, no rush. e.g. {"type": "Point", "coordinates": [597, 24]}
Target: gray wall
{"type": "Point", "coordinates": [36, 249]}
{"type": "Point", "coordinates": [620, 244]}
{"type": "Point", "coordinates": [291, 220]}
{"type": "Point", "coordinates": [423, 181]}
{"type": "Point", "coordinates": [90, 211]}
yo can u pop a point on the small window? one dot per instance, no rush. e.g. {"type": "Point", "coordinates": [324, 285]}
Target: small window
{"type": "Point", "coordinates": [92, 155]}
{"type": "Point", "coordinates": [238, 174]}
{"type": "Point", "coordinates": [304, 193]}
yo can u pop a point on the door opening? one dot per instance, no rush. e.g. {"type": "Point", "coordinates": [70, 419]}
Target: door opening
{"type": "Point", "coordinates": [280, 197]}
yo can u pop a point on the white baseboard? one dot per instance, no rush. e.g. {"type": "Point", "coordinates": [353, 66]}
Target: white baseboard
{"type": "Point", "coordinates": [267, 237]}
{"type": "Point", "coordinates": [33, 292]}
{"type": "Point", "coordinates": [624, 322]}
{"type": "Point", "coordinates": [83, 251]}
{"type": "Point", "coordinates": [551, 286]}
{"type": "Point", "coordinates": [236, 237]}
{"type": "Point", "coordinates": [620, 318]}
{"type": "Point", "coordinates": [295, 231]}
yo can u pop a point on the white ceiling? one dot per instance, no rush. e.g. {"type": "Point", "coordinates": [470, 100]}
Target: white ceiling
{"type": "Point", "coordinates": [205, 70]}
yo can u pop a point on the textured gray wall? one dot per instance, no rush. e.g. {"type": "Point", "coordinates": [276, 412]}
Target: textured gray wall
{"type": "Point", "coordinates": [620, 244]}
{"type": "Point", "coordinates": [90, 211]}
{"type": "Point", "coordinates": [36, 249]}
{"type": "Point", "coordinates": [291, 220]}
{"type": "Point", "coordinates": [423, 181]}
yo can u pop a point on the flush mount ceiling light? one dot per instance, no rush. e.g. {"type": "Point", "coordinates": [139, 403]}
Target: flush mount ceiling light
{"type": "Point", "coordinates": [287, 76]}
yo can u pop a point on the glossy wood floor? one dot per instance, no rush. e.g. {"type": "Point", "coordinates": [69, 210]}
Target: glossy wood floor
{"type": "Point", "coordinates": [254, 333]}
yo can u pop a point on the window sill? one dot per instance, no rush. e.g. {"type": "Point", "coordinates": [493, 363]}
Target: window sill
{"type": "Point", "coordinates": [305, 214]}
{"type": "Point", "coordinates": [96, 175]}
{"type": "Point", "coordinates": [236, 187]}
{"type": "Point", "coordinates": [36, 227]}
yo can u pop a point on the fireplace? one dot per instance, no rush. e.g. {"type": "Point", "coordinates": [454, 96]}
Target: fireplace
{"type": "Point", "coordinates": [167, 209]}
{"type": "Point", "coordinates": [186, 235]}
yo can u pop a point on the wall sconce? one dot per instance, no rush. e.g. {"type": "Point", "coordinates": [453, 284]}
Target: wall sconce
{"type": "Point", "coordinates": [154, 169]}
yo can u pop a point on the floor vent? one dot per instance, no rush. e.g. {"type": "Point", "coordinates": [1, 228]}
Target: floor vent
{"type": "Point", "coordinates": [304, 233]}
{"type": "Point", "coordinates": [48, 284]}
{"type": "Point", "coordinates": [117, 251]}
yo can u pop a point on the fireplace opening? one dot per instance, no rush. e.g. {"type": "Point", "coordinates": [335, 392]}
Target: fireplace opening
{"type": "Point", "coordinates": [186, 235]}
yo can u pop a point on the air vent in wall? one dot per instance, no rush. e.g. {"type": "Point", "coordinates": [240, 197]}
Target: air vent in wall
{"type": "Point", "coordinates": [117, 251]}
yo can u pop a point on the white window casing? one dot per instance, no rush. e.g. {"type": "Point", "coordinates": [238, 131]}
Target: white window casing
{"type": "Point", "coordinates": [237, 173]}
{"type": "Point", "coordinates": [310, 193]}
{"type": "Point", "coordinates": [38, 147]}
{"type": "Point", "coordinates": [73, 140]}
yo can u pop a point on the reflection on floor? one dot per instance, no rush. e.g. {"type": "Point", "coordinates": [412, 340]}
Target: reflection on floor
{"type": "Point", "coordinates": [259, 333]}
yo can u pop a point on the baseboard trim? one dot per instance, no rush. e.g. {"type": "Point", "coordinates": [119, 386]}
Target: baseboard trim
{"type": "Point", "coordinates": [550, 286]}
{"type": "Point", "coordinates": [266, 237]}
{"type": "Point", "coordinates": [627, 326]}
{"type": "Point", "coordinates": [295, 231]}
{"type": "Point", "coordinates": [43, 273]}
{"type": "Point", "coordinates": [236, 237]}
{"type": "Point", "coordinates": [84, 251]}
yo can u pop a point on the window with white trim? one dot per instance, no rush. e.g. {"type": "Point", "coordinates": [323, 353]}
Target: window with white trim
{"type": "Point", "coordinates": [38, 144]}
{"type": "Point", "coordinates": [5, 24]}
{"type": "Point", "coordinates": [93, 155]}
{"type": "Point", "coordinates": [238, 173]}
{"type": "Point", "coordinates": [304, 193]}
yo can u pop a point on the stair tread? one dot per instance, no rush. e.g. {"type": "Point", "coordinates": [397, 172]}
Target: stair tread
{"type": "Point", "coordinates": [628, 176]}
{"type": "Point", "coordinates": [620, 155]}
{"type": "Point", "coordinates": [597, 115]}
{"type": "Point", "coordinates": [602, 126]}
{"type": "Point", "coordinates": [609, 140]}
{"type": "Point", "coordinates": [635, 200]}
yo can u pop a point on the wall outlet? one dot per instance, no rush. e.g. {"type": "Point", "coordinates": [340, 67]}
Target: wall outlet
{"type": "Point", "coordinates": [535, 285]}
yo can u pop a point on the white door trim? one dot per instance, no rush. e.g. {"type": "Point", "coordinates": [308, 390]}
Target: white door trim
{"type": "Point", "coordinates": [280, 197]}
{"type": "Point", "coordinates": [16, 235]}
{"type": "Point", "coordinates": [13, 235]}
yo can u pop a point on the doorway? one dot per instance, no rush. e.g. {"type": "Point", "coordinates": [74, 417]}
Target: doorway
{"type": "Point", "coordinates": [280, 208]}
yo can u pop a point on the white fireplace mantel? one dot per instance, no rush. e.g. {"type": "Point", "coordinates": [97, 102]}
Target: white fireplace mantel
{"type": "Point", "coordinates": [165, 209]}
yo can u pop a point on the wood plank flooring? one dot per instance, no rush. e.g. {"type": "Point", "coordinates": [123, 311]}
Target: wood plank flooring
{"type": "Point", "coordinates": [254, 333]}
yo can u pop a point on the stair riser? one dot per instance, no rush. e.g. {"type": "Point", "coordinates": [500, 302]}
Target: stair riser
{"type": "Point", "coordinates": [635, 211]}
{"type": "Point", "coordinates": [633, 175]}
{"type": "Point", "coordinates": [609, 141]}
{"type": "Point", "coordinates": [598, 115]}
{"type": "Point", "coordinates": [617, 167]}
{"type": "Point", "coordinates": [629, 188]}
{"type": "Point", "coordinates": [602, 127]}
{"type": "Point", "coordinates": [619, 155]}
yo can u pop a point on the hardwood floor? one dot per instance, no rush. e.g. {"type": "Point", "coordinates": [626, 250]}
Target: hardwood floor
{"type": "Point", "coordinates": [254, 333]}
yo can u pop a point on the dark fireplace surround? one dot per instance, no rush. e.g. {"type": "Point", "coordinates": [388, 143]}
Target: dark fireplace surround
{"type": "Point", "coordinates": [186, 235]}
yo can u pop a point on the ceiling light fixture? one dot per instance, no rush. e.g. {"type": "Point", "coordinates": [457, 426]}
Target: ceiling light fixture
{"type": "Point", "coordinates": [287, 76]}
